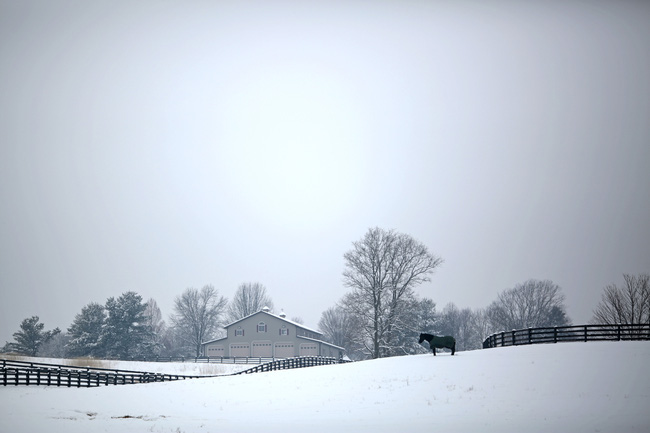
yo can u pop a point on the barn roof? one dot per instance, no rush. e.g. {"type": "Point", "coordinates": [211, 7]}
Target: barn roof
{"type": "Point", "coordinates": [277, 317]}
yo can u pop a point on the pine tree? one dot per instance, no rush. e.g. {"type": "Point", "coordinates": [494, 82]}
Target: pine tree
{"type": "Point", "coordinates": [86, 330]}
{"type": "Point", "coordinates": [126, 333]}
{"type": "Point", "coordinates": [31, 336]}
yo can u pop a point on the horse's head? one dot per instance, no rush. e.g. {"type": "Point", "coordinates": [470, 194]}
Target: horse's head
{"type": "Point", "coordinates": [421, 339]}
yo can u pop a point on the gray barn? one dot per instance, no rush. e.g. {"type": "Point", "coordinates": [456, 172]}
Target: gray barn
{"type": "Point", "coordinates": [266, 335]}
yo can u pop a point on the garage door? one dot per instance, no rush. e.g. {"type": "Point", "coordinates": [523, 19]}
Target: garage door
{"type": "Point", "coordinates": [240, 350]}
{"type": "Point", "coordinates": [216, 351]}
{"type": "Point", "coordinates": [284, 350]}
{"type": "Point", "coordinates": [308, 349]}
{"type": "Point", "coordinates": [262, 349]}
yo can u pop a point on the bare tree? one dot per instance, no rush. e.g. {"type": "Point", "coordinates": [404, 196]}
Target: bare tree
{"type": "Point", "coordinates": [334, 323]}
{"type": "Point", "coordinates": [153, 319]}
{"type": "Point", "coordinates": [382, 269]}
{"type": "Point", "coordinates": [339, 328]}
{"type": "Point", "coordinates": [627, 305]}
{"type": "Point", "coordinates": [467, 326]}
{"type": "Point", "coordinates": [534, 303]}
{"type": "Point", "coordinates": [197, 315]}
{"type": "Point", "coordinates": [249, 298]}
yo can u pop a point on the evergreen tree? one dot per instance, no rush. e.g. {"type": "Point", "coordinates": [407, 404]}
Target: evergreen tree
{"type": "Point", "coordinates": [126, 333]}
{"type": "Point", "coordinates": [86, 330]}
{"type": "Point", "coordinates": [30, 337]}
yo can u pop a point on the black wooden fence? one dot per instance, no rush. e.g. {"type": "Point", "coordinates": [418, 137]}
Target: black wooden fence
{"type": "Point", "coordinates": [34, 373]}
{"type": "Point", "coordinates": [297, 362]}
{"type": "Point", "coordinates": [558, 334]}
{"type": "Point", "coordinates": [204, 359]}
{"type": "Point", "coordinates": [15, 373]}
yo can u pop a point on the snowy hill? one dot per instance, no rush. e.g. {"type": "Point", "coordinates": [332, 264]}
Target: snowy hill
{"type": "Point", "coordinates": [576, 387]}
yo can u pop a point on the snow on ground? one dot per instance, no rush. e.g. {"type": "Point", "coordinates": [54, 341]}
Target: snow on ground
{"type": "Point", "coordinates": [576, 387]}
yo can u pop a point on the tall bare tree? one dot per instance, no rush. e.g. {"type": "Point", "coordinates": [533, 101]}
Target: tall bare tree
{"type": "Point", "coordinates": [627, 305]}
{"type": "Point", "coordinates": [153, 319]}
{"type": "Point", "coordinates": [382, 269]}
{"type": "Point", "coordinates": [534, 303]}
{"type": "Point", "coordinates": [248, 299]}
{"type": "Point", "coordinates": [197, 315]}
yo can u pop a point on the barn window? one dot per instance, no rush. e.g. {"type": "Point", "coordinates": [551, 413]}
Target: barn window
{"type": "Point", "coordinates": [261, 327]}
{"type": "Point", "coordinates": [284, 331]}
{"type": "Point", "coordinates": [239, 332]}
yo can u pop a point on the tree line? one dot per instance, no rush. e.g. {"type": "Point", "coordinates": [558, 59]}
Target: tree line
{"type": "Point", "coordinates": [126, 327]}
{"type": "Point", "coordinates": [380, 316]}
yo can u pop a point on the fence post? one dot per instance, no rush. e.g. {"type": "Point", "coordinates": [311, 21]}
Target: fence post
{"type": "Point", "coordinates": [530, 335]}
{"type": "Point", "coordinates": [555, 334]}
{"type": "Point", "coordinates": [585, 333]}
{"type": "Point", "coordinates": [619, 332]}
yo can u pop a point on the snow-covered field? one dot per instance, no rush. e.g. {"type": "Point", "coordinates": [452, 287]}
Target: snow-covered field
{"type": "Point", "coordinates": [567, 387]}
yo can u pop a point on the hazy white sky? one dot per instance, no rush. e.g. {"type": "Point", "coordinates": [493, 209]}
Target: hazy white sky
{"type": "Point", "coordinates": [158, 145]}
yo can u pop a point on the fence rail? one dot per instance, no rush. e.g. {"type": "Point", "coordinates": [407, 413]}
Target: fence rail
{"type": "Point", "coordinates": [297, 362]}
{"type": "Point", "coordinates": [34, 373]}
{"type": "Point", "coordinates": [559, 334]}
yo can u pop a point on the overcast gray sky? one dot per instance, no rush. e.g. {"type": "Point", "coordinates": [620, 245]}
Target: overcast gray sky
{"type": "Point", "coordinates": [158, 145]}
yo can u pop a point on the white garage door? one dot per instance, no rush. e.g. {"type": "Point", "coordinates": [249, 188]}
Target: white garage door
{"type": "Point", "coordinates": [240, 350]}
{"type": "Point", "coordinates": [308, 349]}
{"type": "Point", "coordinates": [262, 349]}
{"type": "Point", "coordinates": [284, 350]}
{"type": "Point", "coordinates": [215, 351]}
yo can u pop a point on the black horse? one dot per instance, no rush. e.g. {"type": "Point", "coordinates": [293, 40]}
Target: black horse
{"type": "Point", "coordinates": [439, 342]}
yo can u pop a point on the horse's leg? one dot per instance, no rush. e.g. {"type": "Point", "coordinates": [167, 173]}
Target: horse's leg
{"type": "Point", "coordinates": [434, 351]}
{"type": "Point", "coordinates": [453, 349]}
